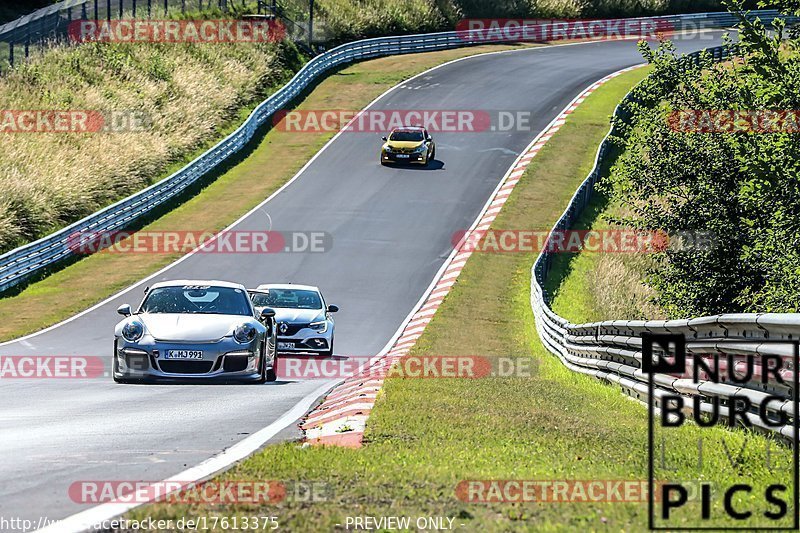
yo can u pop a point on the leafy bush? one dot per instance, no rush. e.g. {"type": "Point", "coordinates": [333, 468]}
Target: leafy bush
{"type": "Point", "coordinates": [344, 20]}
{"type": "Point", "coordinates": [742, 187]}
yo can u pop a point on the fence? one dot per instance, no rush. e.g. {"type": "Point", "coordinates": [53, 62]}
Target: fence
{"type": "Point", "coordinates": [50, 24]}
{"type": "Point", "coordinates": [612, 350]}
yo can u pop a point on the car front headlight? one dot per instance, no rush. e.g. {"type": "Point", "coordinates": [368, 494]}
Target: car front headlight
{"type": "Point", "coordinates": [133, 331]}
{"type": "Point", "coordinates": [319, 327]}
{"type": "Point", "coordinates": [419, 149]}
{"type": "Point", "coordinates": [244, 333]}
{"type": "Point", "coordinates": [387, 149]}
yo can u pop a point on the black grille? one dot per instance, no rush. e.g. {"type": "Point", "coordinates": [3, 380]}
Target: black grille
{"type": "Point", "coordinates": [291, 329]}
{"type": "Point", "coordinates": [234, 363]}
{"type": "Point", "coordinates": [186, 367]}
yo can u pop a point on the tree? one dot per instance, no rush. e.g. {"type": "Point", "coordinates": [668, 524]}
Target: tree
{"type": "Point", "coordinates": [742, 186]}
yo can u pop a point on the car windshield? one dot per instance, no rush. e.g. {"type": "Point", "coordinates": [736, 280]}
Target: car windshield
{"type": "Point", "coordinates": [197, 299]}
{"type": "Point", "coordinates": [288, 299]}
{"type": "Point", "coordinates": [407, 136]}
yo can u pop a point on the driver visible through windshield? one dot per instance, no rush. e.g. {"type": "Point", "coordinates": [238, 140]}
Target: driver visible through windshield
{"type": "Point", "coordinates": [407, 136]}
{"type": "Point", "coordinates": [197, 300]}
{"type": "Point", "coordinates": [288, 299]}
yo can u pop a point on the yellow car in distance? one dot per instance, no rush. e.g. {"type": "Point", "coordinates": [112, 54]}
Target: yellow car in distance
{"type": "Point", "coordinates": [408, 145]}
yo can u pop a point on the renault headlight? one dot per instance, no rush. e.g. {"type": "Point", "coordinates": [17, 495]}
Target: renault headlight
{"type": "Point", "coordinates": [319, 327]}
{"type": "Point", "coordinates": [244, 333]}
{"type": "Point", "coordinates": [419, 149]}
{"type": "Point", "coordinates": [387, 149]}
{"type": "Point", "coordinates": [133, 331]}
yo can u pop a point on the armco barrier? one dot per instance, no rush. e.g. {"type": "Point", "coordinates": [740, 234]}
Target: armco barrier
{"type": "Point", "coordinates": [612, 350]}
{"type": "Point", "coordinates": [19, 264]}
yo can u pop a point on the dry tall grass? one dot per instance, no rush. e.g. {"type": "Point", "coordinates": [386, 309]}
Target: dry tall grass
{"type": "Point", "coordinates": [189, 91]}
{"type": "Point", "coordinates": [618, 289]}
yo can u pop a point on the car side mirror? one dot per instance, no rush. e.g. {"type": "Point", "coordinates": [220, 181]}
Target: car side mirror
{"type": "Point", "coordinates": [124, 310]}
{"type": "Point", "coordinates": [267, 313]}
{"type": "Point", "coordinates": [333, 308]}
{"type": "Point", "coordinates": [384, 139]}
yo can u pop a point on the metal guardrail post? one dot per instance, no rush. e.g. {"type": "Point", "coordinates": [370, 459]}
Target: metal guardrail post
{"type": "Point", "coordinates": [311, 24]}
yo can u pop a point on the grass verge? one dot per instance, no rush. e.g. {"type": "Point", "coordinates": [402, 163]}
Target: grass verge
{"type": "Point", "coordinates": [427, 435]}
{"type": "Point", "coordinates": [273, 159]}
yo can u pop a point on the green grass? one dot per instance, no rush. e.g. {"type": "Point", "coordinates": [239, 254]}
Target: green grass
{"type": "Point", "coordinates": [425, 436]}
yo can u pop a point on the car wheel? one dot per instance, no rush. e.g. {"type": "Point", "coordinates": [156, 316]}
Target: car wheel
{"type": "Point", "coordinates": [262, 377]}
{"type": "Point", "coordinates": [271, 374]}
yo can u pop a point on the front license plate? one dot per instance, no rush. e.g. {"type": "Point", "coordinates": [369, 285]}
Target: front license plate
{"type": "Point", "coordinates": [402, 156]}
{"type": "Point", "coordinates": [184, 354]}
{"type": "Point", "coordinates": [286, 346]}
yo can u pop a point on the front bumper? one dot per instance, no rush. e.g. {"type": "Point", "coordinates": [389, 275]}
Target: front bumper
{"type": "Point", "coordinates": [306, 340]}
{"type": "Point", "coordinates": [225, 360]}
{"type": "Point", "coordinates": [403, 158]}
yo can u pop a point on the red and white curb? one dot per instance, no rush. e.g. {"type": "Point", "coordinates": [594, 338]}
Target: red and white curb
{"type": "Point", "coordinates": [341, 418]}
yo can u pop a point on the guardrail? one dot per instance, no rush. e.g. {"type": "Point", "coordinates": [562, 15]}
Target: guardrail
{"type": "Point", "coordinates": [612, 350]}
{"type": "Point", "coordinates": [20, 264]}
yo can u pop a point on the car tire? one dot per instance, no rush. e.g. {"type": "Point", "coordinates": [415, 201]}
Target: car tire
{"type": "Point", "coordinates": [271, 374]}
{"type": "Point", "coordinates": [262, 376]}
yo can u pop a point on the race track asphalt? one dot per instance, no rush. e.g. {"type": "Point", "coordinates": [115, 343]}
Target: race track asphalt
{"type": "Point", "coordinates": [391, 231]}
